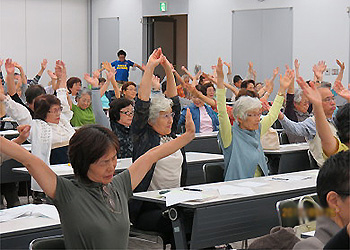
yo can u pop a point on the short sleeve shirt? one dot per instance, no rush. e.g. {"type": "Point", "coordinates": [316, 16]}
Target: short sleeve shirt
{"type": "Point", "coordinates": [122, 69]}
{"type": "Point", "coordinates": [91, 218]}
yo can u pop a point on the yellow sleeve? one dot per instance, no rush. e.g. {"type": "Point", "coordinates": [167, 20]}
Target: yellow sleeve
{"type": "Point", "coordinates": [341, 147]}
{"type": "Point", "coordinates": [224, 121]}
{"type": "Point", "coordinates": [272, 116]}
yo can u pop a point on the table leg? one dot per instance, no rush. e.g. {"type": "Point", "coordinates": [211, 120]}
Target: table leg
{"type": "Point", "coordinates": [176, 218]}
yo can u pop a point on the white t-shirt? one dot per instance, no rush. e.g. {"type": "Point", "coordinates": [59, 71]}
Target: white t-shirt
{"type": "Point", "coordinates": [167, 172]}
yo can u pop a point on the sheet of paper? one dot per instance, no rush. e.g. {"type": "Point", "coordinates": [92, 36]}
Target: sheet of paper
{"type": "Point", "coordinates": [29, 210]}
{"type": "Point", "coordinates": [179, 196]}
{"type": "Point", "coordinates": [234, 190]}
{"type": "Point", "coordinates": [250, 184]}
{"type": "Point", "coordinates": [290, 178]}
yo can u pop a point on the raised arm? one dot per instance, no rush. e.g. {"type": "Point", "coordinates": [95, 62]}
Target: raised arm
{"type": "Point", "coordinates": [10, 77]}
{"type": "Point", "coordinates": [40, 73]}
{"type": "Point", "coordinates": [296, 68]}
{"type": "Point", "coordinates": [45, 177]}
{"type": "Point", "coordinates": [272, 116]}
{"type": "Point", "coordinates": [21, 71]}
{"type": "Point", "coordinates": [110, 76]}
{"type": "Point", "coordinates": [318, 70]}
{"type": "Point", "coordinates": [53, 77]}
{"type": "Point", "coordinates": [143, 164]}
{"type": "Point", "coordinates": [187, 72]}
{"type": "Point", "coordinates": [61, 73]}
{"type": "Point", "coordinates": [146, 81]}
{"type": "Point", "coordinates": [329, 142]}
{"type": "Point", "coordinates": [138, 66]}
{"type": "Point", "coordinates": [341, 91]}
{"type": "Point", "coordinates": [100, 116]}
{"type": "Point", "coordinates": [341, 71]}
{"type": "Point", "coordinates": [171, 90]}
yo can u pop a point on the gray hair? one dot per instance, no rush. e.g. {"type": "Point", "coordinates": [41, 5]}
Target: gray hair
{"type": "Point", "coordinates": [243, 105]}
{"type": "Point", "coordinates": [298, 94]}
{"type": "Point", "coordinates": [83, 91]}
{"type": "Point", "coordinates": [158, 103]}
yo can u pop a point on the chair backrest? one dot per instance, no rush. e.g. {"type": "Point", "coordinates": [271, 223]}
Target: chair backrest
{"type": "Point", "coordinates": [283, 138]}
{"type": "Point", "coordinates": [213, 172]}
{"type": "Point", "coordinates": [313, 162]}
{"type": "Point", "coordinates": [288, 212]}
{"type": "Point", "coordinates": [52, 242]}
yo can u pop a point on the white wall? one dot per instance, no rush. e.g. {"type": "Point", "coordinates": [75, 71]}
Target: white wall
{"type": "Point", "coordinates": [175, 7]}
{"type": "Point", "coordinates": [35, 29]}
{"type": "Point", "coordinates": [130, 27]}
{"type": "Point", "coordinates": [320, 31]}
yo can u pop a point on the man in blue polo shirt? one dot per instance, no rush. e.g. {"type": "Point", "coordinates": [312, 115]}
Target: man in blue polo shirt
{"type": "Point", "coordinates": [122, 67]}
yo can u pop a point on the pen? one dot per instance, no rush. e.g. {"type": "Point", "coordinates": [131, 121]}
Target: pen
{"type": "Point", "coordinates": [193, 189]}
{"type": "Point", "coordinates": [279, 179]}
{"type": "Point", "coordinates": [164, 191]}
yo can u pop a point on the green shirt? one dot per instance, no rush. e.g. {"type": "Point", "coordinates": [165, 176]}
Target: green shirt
{"type": "Point", "coordinates": [88, 219]}
{"type": "Point", "coordinates": [82, 117]}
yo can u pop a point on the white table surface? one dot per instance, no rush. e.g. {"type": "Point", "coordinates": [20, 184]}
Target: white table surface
{"type": "Point", "coordinates": [9, 132]}
{"type": "Point", "coordinates": [25, 223]}
{"type": "Point", "coordinates": [191, 157]}
{"type": "Point", "coordinates": [270, 187]}
{"type": "Point", "coordinates": [288, 148]}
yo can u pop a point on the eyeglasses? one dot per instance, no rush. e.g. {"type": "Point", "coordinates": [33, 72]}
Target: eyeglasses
{"type": "Point", "coordinates": [254, 115]}
{"type": "Point", "coordinates": [128, 113]}
{"type": "Point", "coordinates": [107, 194]}
{"type": "Point", "coordinates": [328, 99]}
{"type": "Point", "coordinates": [167, 116]}
{"type": "Point", "coordinates": [56, 111]}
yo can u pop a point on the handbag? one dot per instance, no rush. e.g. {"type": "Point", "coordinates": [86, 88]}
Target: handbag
{"type": "Point", "coordinates": [305, 225]}
{"type": "Point", "coordinates": [270, 140]}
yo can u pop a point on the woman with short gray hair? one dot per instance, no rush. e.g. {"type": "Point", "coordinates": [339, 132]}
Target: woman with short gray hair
{"type": "Point", "coordinates": [82, 111]}
{"type": "Point", "coordinates": [155, 122]}
{"type": "Point", "coordinates": [243, 153]}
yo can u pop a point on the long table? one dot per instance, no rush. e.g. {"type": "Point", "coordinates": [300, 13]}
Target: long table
{"type": "Point", "coordinates": [232, 218]}
{"type": "Point", "coordinates": [195, 161]}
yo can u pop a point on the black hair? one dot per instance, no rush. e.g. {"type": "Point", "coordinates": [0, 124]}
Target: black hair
{"type": "Point", "coordinates": [34, 91]}
{"type": "Point", "coordinates": [116, 105]}
{"type": "Point", "coordinates": [121, 53]}
{"type": "Point", "coordinates": [237, 78]}
{"type": "Point", "coordinates": [101, 79]}
{"type": "Point", "coordinates": [245, 92]}
{"type": "Point", "coordinates": [245, 83]}
{"type": "Point", "coordinates": [42, 105]}
{"type": "Point", "coordinates": [71, 81]}
{"type": "Point", "coordinates": [201, 89]}
{"type": "Point", "coordinates": [334, 176]}
{"type": "Point", "coordinates": [342, 122]}
{"type": "Point", "coordinates": [208, 85]}
{"type": "Point", "coordinates": [164, 86]}
{"type": "Point", "coordinates": [87, 145]}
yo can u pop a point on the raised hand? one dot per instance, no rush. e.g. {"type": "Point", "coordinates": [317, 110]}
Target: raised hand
{"type": "Point", "coordinates": [110, 74]}
{"type": "Point", "coordinates": [265, 105]}
{"type": "Point", "coordinates": [322, 66]}
{"type": "Point", "coordinates": [44, 64]}
{"type": "Point", "coordinates": [107, 66]}
{"type": "Point", "coordinates": [24, 131]}
{"type": "Point", "coordinates": [317, 72]}
{"type": "Point", "coordinates": [155, 58]}
{"type": "Point", "coordinates": [310, 92]}
{"type": "Point", "coordinates": [92, 80]}
{"type": "Point", "coordinates": [250, 67]}
{"type": "Point", "coordinates": [229, 68]}
{"type": "Point", "coordinates": [190, 128]}
{"type": "Point", "coordinates": [340, 90]}
{"type": "Point", "coordinates": [341, 64]}
{"type": "Point", "coordinates": [17, 65]}
{"type": "Point", "coordinates": [275, 71]}
{"type": "Point", "coordinates": [286, 80]}
{"type": "Point", "coordinates": [96, 74]}
{"type": "Point", "coordinates": [10, 66]}
{"type": "Point", "coordinates": [58, 69]}
{"type": "Point", "coordinates": [52, 75]}
{"type": "Point", "coordinates": [296, 64]}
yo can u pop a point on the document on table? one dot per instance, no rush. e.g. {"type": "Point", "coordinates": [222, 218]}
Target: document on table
{"type": "Point", "coordinates": [41, 210]}
{"type": "Point", "coordinates": [234, 190]}
{"type": "Point", "coordinates": [250, 184]}
{"type": "Point", "coordinates": [178, 196]}
{"type": "Point", "coordinates": [290, 178]}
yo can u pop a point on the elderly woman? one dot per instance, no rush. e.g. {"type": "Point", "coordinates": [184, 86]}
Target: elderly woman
{"type": "Point", "coordinates": [51, 129]}
{"type": "Point", "coordinates": [155, 122]}
{"type": "Point", "coordinates": [243, 153]}
{"type": "Point", "coordinates": [82, 111]}
{"type": "Point", "coordinates": [129, 90]}
{"type": "Point", "coordinates": [93, 207]}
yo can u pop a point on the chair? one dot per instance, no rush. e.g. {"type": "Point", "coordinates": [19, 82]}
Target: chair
{"type": "Point", "coordinates": [138, 233]}
{"type": "Point", "coordinates": [283, 138]}
{"type": "Point", "coordinates": [51, 242]}
{"type": "Point", "coordinates": [298, 161]}
{"type": "Point", "coordinates": [313, 162]}
{"type": "Point", "coordinates": [213, 172]}
{"type": "Point", "coordinates": [288, 213]}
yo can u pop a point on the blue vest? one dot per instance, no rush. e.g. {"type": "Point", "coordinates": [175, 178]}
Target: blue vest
{"type": "Point", "coordinates": [244, 154]}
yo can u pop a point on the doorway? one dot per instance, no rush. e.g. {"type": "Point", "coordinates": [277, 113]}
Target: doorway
{"type": "Point", "coordinates": [169, 33]}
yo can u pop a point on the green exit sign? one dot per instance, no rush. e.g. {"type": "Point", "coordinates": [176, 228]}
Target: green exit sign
{"type": "Point", "coordinates": [163, 6]}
